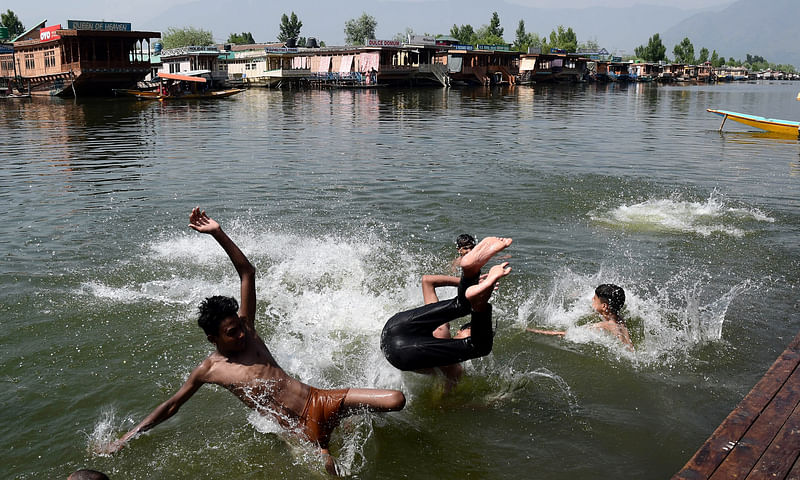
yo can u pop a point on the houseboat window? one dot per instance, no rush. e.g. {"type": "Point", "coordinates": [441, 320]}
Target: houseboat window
{"type": "Point", "coordinates": [29, 62]}
{"type": "Point", "coordinates": [49, 58]}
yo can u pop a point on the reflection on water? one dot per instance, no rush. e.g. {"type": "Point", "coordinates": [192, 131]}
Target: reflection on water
{"type": "Point", "coordinates": [343, 199]}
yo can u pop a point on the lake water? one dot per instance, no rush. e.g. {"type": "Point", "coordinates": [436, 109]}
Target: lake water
{"type": "Point", "coordinates": [343, 199]}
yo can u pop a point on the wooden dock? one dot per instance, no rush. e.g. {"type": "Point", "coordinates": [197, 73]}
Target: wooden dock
{"type": "Point", "coordinates": [760, 439]}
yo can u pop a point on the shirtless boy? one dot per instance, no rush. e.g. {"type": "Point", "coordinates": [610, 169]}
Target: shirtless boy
{"type": "Point", "coordinates": [243, 364]}
{"type": "Point", "coordinates": [407, 339]}
{"type": "Point", "coordinates": [608, 300]}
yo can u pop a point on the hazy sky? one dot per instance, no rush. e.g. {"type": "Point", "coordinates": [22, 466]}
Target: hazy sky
{"type": "Point", "coordinates": [325, 21]}
{"type": "Point", "coordinates": [56, 11]}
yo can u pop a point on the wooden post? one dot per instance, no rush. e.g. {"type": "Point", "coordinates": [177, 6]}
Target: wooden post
{"type": "Point", "coordinates": [723, 122]}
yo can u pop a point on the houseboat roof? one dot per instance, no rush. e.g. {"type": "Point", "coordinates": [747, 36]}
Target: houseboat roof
{"type": "Point", "coordinates": [29, 31]}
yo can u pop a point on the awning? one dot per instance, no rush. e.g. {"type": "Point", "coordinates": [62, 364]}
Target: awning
{"type": "Point", "coordinates": [183, 78]}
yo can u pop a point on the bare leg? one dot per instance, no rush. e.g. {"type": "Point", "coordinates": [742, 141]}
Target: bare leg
{"type": "Point", "coordinates": [429, 285]}
{"type": "Point", "coordinates": [373, 400]}
{"type": "Point", "coordinates": [478, 295]}
{"type": "Point", "coordinates": [479, 256]}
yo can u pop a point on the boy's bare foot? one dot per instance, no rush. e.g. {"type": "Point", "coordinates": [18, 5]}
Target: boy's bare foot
{"type": "Point", "coordinates": [479, 256]}
{"type": "Point", "coordinates": [478, 295]}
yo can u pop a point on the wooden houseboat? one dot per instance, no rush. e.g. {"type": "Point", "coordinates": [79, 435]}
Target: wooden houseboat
{"type": "Point", "coordinates": [262, 64]}
{"type": "Point", "coordinates": [644, 72]}
{"type": "Point", "coordinates": [86, 58]}
{"type": "Point", "coordinates": [553, 67]}
{"type": "Point", "coordinates": [670, 72]}
{"type": "Point", "coordinates": [193, 58]}
{"type": "Point", "coordinates": [484, 65]}
{"type": "Point", "coordinates": [618, 71]}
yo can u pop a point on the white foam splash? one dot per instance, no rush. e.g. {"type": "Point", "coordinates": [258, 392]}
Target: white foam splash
{"type": "Point", "coordinates": [665, 326]}
{"type": "Point", "coordinates": [676, 215]}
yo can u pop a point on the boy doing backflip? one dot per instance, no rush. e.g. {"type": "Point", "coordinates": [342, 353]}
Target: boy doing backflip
{"type": "Point", "coordinates": [243, 364]}
{"type": "Point", "coordinates": [407, 340]}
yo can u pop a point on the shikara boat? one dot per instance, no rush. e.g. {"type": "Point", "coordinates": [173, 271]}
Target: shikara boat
{"type": "Point", "coordinates": [175, 86]}
{"type": "Point", "coordinates": [782, 127]}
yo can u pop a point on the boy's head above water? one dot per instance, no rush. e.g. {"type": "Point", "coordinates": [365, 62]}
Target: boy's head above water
{"type": "Point", "coordinates": [610, 297]}
{"type": "Point", "coordinates": [219, 318]}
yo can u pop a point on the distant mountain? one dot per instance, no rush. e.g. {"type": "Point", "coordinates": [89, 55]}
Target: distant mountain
{"type": "Point", "coordinates": [616, 29]}
{"type": "Point", "coordinates": [758, 27]}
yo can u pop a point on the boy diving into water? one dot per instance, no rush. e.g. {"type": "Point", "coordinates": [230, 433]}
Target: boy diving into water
{"type": "Point", "coordinates": [608, 300]}
{"type": "Point", "coordinates": [243, 364]}
{"type": "Point", "coordinates": [407, 340]}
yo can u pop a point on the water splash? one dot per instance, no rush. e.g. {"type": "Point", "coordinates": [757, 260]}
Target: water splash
{"type": "Point", "coordinates": [665, 327]}
{"type": "Point", "coordinates": [674, 215]}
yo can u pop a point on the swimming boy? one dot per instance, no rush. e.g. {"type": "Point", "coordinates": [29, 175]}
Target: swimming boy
{"type": "Point", "coordinates": [407, 339]}
{"type": "Point", "coordinates": [243, 364]}
{"type": "Point", "coordinates": [608, 300]}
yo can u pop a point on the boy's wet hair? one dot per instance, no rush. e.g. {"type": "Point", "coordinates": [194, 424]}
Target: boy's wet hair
{"type": "Point", "coordinates": [213, 310]}
{"type": "Point", "coordinates": [465, 240]}
{"type": "Point", "coordinates": [612, 295]}
{"type": "Point", "coordinates": [87, 474]}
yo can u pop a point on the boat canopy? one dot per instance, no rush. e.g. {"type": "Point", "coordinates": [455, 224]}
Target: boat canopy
{"type": "Point", "coordinates": [183, 77]}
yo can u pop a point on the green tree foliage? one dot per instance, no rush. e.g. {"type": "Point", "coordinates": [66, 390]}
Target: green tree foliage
{"type": "Point", "coordinates": [358, 30]}
{"type": "Point", "coordinates": [465, 34]}
{"type": "Point", "coordinates": [702, 56]}
{"type": "Point", "coordinates": [655, 51]}
{"type": "Point", "coordinates": [495, 30]}
{"type": "Point", "coordinates": [187, 36]}
{"type": "Point", "coordinates": [716, 60]}
{"type": "Point", "coordinates": [562, 39]}
{"type": "Point", "coordinates": [525, 40]}
{"type": "Point", "coordinates": [590, 45]}
{"type": "Point", "coordinates": [244, 38]}
{"type": "Point", "coordinates": [403, 36]}
{"type": "Point", "coordinates": [289, 28]}
{"type": "Point", "coordinates": [684, 52]}
{"type": "Point", "coordinates": [12, 23]}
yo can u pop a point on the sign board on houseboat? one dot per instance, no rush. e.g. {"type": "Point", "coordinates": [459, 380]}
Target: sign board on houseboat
{"type": "Point", "coordinates": [500, 48]}
{"type": "Point", "coordinates": [48, 34]}
{"type": "Point", "coordinates": [382, 43]}
{"type": "Point", "coordinates": [6, 48]}
{"type": "Point", "coordinates": [459, 46]}
{"type": "Point", "coordinates": [103, 26]}
{"type": "Point", "coordinates": [421, 40]}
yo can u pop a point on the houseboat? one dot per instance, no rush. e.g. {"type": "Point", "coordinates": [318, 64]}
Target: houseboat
{"type": "Point", "coordinates": [86, 58]}
{"type": "Point", "coordinates": [644, 72]}
{"type": "Point", "coordinates": [618, 71]}
{"type": "Point", "coordinates": [480, 65]}
{"type": "Point", "coordinates": [553, 67]}
{"type": "Point", "coordinates": [194, 58]}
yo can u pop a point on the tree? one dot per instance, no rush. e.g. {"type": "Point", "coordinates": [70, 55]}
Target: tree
{"type": "Point", "coordinates": [716, 61]}
{"type": "Point", "coordinates": [703, 57]}
{"type": "Point", "coordinates": [465, 34]}
{"type": "Point", "coordinates": [590, 45]}
{"type": "Point", "coordinates": [402, 37]}
{"type": "Point", "coordinates": [485, 36]}
{"type": "Point", "coordinates": [289, 28]}
{"type": "Point", "coordinates": [494, 26]}
{"type": "Point", "coordinates": [184, 37]}
{"type": "Point", "coordinates": [358, 30]}
{"type": "Point", "coordinates": [655, 51]}
{"type": "Point", "coordinates": [562, 39]}
{"type": "Point", "coordinates": [244, 38]}
{"type": "Point", "coordinates": [684, 52]}
{"type": "Point", "coordinates": [525, 40]}
{"type": "Point", "coordinates": [12, 23]}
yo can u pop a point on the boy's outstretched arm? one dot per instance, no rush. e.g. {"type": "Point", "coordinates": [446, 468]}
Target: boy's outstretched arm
{"type": "Point", "coordinates": [161, 412]}
{"type": "Point", "coordinates": [199, 221]}
{"type": "Point", "coordinates": [547, 332]}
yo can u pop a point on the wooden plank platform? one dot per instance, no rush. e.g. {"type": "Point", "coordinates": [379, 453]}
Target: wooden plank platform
{"type": "Point", "coordinates": [760, 438]}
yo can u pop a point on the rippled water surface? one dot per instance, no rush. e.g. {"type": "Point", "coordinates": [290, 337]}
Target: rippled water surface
{"type": "Point", "coordinates": [343, 199]}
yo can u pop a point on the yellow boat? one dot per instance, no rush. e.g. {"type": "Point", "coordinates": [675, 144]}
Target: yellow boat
{"type": "Point", "coordinates": [782, 127]}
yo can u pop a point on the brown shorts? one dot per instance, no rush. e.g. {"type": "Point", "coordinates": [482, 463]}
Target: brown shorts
{"type": "Point", "coordinates": [321, 414]}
